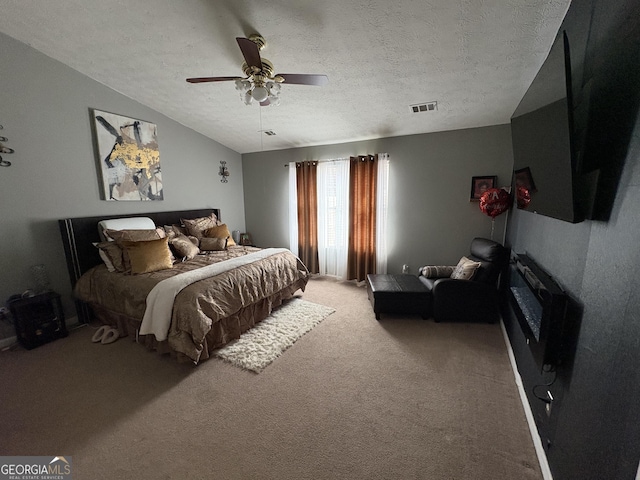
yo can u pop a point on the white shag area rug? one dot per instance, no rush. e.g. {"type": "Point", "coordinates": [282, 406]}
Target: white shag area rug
{"type": "Point", "coordinates": [261, 345]}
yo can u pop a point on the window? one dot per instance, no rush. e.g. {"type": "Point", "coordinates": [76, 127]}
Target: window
{"type": "Point", "coordinates": [333, 217]}
{"type": "Point", "coordinates": [333, 202]}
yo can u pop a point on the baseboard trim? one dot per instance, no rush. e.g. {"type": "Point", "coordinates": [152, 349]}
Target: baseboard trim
{"type": "Point", "coordinates": [533, 429]}
{"type": "Point", "coordinates": [7, 342]}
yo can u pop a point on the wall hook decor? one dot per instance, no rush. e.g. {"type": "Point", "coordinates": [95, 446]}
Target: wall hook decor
{"type": "Point", "coordinates": [223, 172]}
{"type": "Point", "coordinates": [3, 149]}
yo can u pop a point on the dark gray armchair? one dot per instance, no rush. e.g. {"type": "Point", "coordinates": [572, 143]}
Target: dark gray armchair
{"type": "Point", "coordinates": [476, 299]}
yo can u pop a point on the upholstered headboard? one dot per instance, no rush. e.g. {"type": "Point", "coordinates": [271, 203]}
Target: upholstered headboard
{"type": "Point", "coordinates": [79, 234]}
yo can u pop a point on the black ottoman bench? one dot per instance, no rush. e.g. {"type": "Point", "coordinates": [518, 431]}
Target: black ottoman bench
{"type": "Point", "coordinates": [398, 294]}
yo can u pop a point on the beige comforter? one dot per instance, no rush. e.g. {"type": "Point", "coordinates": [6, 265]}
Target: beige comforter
{"type": "Point", "coordinates": [209, 312]}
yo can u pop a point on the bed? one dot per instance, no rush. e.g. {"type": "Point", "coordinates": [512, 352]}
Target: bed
{"type": "Point", "coordinates": [226, 292]}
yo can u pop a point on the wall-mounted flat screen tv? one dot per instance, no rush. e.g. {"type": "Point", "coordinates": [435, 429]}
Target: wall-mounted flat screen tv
{"type": "Point", "coordinates": [541, 129]}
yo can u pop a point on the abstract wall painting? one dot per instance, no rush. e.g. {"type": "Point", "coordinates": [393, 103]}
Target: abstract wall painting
{"type": "Point", "coordinates": [129, 157]}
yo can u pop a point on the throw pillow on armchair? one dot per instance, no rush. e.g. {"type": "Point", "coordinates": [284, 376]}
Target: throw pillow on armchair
{"type": "Point", "coordinates": [470, 291]}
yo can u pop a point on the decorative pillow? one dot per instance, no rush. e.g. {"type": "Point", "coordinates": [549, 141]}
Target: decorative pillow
{"type": "Point", "coordinates": [197, 226]}
{"type": "Point", "coordinates": [148, 256]}
{"type": "Point", "coordinates": [193, 239]}
{"type": "Point", "coordinates": [135, 235]}
{"type": "Point", "coordinates": [221, 231]}
{"type": "Point", "coordinates": [184, 248]}
{"type": "Point", "coordinates": [120, 236]}
{"type": "Point", "coordinates": [440, 271]}
{"type": "Point", "coordinates": [465, 269]}
{"type": "Point", "coordinates": [169, 231]}
{"type": "Point", "coordinates": [126, 223]}
{"type": "Point", "coordinates": [178, 229]}
{"type": "Point", "coordinates": [211, 243]}
{"type": "Point", "coordinates": [173, 231]}
{"type": "Point", "coordinates": [111, 255]}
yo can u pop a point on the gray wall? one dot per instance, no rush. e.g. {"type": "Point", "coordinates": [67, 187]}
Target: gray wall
{"type": "Point", "coordinates": [45, 113]}
{"type": "Point", "coordinates": [593, 431]}
{"type": "Point", "coordinates": [431, 220]}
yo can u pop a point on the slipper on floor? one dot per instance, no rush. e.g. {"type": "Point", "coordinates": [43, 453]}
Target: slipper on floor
{"type": "Point", "coordinates": [110, 336]}
{"type": "Point", "coordinates": [99, 335]}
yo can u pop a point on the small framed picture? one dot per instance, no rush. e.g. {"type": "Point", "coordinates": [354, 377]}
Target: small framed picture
{"type": "Point", "coordinates": [245, 239]}
{"type": "Point", "coordinates": [479, 185]}
{"type": "Point", "coordinates": [524, 179]}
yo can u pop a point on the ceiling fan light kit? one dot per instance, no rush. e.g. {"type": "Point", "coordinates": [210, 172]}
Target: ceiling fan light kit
{"type": "Point", "coordinates": [260, 83]}
{"type": "Point", "coordinates": [266, 93]}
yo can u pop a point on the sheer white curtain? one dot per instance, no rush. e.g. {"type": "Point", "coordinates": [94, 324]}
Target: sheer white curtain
{"type": "Point", "coordinates": [381, 212]}
{"type": "Point", "coordinates": [293, 209]}
{"type": "Point", "coordinates": [333, 216]}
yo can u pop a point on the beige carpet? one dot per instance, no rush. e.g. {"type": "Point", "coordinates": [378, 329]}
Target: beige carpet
{"type": "Point", "coordinates": [402, 398]}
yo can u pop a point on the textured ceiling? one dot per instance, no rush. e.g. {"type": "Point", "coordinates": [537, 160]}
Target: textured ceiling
{"type": "Point", "coordinates": [476, 58]}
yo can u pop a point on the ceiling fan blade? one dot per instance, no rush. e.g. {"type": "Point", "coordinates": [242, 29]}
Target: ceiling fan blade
{"type": "Point", "coordinates": [211, 79]}
{"type": "Point", "coordinates": [303, 79]}
{"type": "Point", "coordinates": [250, 52]}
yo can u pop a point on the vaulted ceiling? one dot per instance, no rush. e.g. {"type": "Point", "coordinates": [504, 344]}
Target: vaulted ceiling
{"type": "Point", "coordinates": [475, 58]}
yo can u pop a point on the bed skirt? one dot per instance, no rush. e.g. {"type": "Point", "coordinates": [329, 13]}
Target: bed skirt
{"type": "Point", "coordinates": [222, 332]}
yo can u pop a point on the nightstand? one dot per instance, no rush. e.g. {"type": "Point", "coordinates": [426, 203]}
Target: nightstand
{"type": "Point", "coordinates": [38, 319]}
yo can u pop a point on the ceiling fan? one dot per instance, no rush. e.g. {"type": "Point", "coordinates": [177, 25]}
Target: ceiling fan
{"type": "Point", "coordinates": [260, 83]}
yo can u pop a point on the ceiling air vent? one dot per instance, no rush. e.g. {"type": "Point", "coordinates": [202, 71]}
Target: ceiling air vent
{"type": "Point", "coordinates": [424, 107]}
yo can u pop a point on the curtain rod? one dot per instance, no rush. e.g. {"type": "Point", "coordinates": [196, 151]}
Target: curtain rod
{"type": "Point", "coordinates": [320, 161]}
{"type": "Point", "coordinates": [286, 165]}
